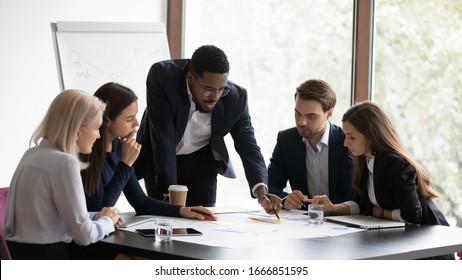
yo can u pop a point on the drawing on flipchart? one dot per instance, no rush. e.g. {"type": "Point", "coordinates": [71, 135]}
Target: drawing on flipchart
{"type": "Point", "coordinates": [84, 68]}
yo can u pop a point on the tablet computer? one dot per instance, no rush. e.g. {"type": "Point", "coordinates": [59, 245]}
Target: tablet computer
{"type": "Point", "coordinates": [130, 219]}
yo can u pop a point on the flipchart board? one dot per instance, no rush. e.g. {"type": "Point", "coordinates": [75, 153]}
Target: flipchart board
{"type": "Point", "coordinates": [90, 54]}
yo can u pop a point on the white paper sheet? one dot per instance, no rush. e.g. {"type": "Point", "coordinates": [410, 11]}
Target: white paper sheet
{"type": "Point", "coordinates": [252, 229]}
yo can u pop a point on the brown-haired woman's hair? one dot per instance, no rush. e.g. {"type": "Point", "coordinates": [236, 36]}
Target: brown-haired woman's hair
{"type": "Point", "coordinates": [117, 97]}
{"type": "Point", "coordinates": [372, 122]}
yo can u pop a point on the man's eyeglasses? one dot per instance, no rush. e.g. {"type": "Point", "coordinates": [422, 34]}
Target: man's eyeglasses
{"type": "Point", "coordinates": [220, 92]}
{"type": "Point", "coordinates": [208, 91]}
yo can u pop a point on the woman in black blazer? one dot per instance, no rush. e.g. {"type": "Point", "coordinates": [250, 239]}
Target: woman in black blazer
{"type": "Point", "coordinates": [389, 183]}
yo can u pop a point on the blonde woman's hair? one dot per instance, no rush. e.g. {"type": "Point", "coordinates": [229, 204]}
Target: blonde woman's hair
{"type": "Point", "coordinates": [71, 110]}
{"type": "Point", "coordinates": [372, 122]}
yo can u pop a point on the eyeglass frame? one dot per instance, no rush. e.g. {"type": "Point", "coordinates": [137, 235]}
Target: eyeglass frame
{"type": "Point", "coordinates": [208, 91]}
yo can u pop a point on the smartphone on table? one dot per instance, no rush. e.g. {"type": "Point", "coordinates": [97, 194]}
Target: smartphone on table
{"type": "Point", "coordinates": [147, 232]}
{"type": "Point", "coordinates": [186, 232]}
{"type": "Point", "coordinates": [150, 232]}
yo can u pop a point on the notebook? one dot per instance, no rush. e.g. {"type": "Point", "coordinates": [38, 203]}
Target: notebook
{"type": "Point", "coordinates": [132, 220]}
{"type": "Point", "coordinates": [366, 222]}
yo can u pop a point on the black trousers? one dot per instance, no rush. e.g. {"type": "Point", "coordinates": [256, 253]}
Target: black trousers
{"type": "Point", "coordinates": [58, 251]}
{"type": "Point", "coordinates": [198, 171]}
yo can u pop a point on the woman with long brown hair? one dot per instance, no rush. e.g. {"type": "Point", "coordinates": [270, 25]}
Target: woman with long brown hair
{"type": "Point", "coordinates": [110, 170]}
{"type": "Point", "coordinates": [389, 183]}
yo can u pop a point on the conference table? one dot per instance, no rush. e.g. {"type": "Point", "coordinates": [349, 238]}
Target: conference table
{"type": "Point", "coordinates": [254, 236]}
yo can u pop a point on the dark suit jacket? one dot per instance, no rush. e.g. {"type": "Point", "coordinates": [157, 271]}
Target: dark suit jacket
{"type": "Point", "coordinates": [165, 118]}
{"type": "Point", "coordinates": [395, 187]}
{"type": "Point", "coordinates": [288, 163]}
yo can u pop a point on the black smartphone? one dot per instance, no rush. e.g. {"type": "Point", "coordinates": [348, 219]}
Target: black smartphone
{"type": "Point", "coordinates": [148, 232]}
{"type": "Point", "coordinates": [185, 232]}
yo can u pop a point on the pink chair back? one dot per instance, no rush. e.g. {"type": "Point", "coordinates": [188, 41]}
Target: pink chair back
{"type": "Point", "coordinates": [5, 254]}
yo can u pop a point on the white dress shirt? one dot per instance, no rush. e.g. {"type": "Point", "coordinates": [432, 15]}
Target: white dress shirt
{"type": "Point", "coordinates": [198, 130]}
{"type": "Point", "coordinates": [317, 165]}
{"type": "Point", "coordinates": [198, 133]}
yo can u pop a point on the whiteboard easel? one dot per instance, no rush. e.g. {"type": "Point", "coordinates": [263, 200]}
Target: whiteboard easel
{"type": "Point", "coordinates": [90, 54]}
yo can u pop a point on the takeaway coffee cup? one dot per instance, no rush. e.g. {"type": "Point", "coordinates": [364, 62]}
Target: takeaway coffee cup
{"type": "Point", "coordinates": [177, 194]}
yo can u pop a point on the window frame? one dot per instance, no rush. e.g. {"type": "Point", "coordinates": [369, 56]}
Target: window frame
{"type": "Point", "coordinates": [362, 54]}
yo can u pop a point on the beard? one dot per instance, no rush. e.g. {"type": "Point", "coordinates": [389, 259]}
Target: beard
{"type": "Point", "coordinates": [203, 110]}
{"type": "Point", "coordinates": [308, 134]}
{"type": "Point", "coordinates": [200, 107]}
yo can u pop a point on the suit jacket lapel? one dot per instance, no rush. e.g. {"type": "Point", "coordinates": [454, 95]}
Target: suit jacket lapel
{"type": "Point", "coordinates": [217, 142]}
{"type": "Point", "coordinates": [335, 150]}
{"type": "Point", "coordinates": [182, 114]}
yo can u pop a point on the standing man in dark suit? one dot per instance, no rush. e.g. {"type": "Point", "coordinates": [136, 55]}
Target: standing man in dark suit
{"type": "Point", "coordinates": [191, 106]}
{"type": "Point", "coordinates": [311, 156]}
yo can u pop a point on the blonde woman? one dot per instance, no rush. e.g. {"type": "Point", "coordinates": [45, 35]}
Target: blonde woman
{"type": "Point", "coordinates": [46, 216]}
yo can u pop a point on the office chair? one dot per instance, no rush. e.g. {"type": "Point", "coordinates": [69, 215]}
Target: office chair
{"type": "Point", "coordinates": [5, 253]}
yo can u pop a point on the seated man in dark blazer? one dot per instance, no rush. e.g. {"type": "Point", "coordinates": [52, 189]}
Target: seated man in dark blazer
{"type": "Point", "coordinates": [311, 156]}
{"type": "Point", "coordinates": [191, 106]}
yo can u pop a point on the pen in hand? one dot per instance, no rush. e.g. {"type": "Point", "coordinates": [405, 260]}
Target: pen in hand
{"type": "Point", "coordinates": [276, 212]}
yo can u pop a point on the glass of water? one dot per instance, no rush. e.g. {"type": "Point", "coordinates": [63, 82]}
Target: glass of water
{"type": "Point", "coordinates": [164, 230]}
{"type": "Point", "coordinates": [315, 214]}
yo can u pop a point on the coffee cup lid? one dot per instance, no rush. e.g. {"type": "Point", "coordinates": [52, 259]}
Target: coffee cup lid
{"type": "Point", "coordinates": [178, 188]}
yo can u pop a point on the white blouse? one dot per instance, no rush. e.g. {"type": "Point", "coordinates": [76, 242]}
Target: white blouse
{"type": "Point", "coordinates": [46, 201]}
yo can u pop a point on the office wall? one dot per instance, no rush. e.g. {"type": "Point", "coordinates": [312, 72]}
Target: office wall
{"type": "Point", "coordinates": [28, 75]}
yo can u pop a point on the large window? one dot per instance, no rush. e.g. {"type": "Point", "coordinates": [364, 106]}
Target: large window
{"type": "Point", "coordinates": [273, 46]}
{"type": "Point", "coordinates": [418, 81]}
